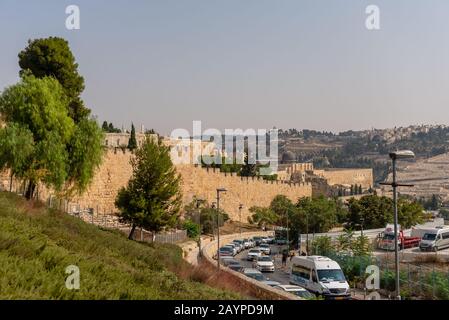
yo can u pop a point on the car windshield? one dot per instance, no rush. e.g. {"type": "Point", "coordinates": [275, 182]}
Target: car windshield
{"type": "Point", "coordinates": [429, 236]}
{"type": "Point", "coordinates": [231, 262]}
{"type": "Point", "coordinates": [225, 249]}
{"type": "Point", "coordinates": [256, 276]}
{"type": "Point", "coordinates": [263, 245]}
{"type": "Point", "coordinates": [254, 251]}
{"type": "Point", "coordinates": [304, 294]}
{"type": "Point", "coordinates": [331, 275]}
{"type": "Point", "coordinates": [389, 236]}
{"type": "Point", "coordinates": [265, 258]}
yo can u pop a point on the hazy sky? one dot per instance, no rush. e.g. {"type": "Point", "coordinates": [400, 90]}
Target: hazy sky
{"type": "Point", "coordinates": [248, 63]}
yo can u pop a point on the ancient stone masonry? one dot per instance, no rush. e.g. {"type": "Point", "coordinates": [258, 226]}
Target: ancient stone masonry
{"type": "Point", "coordinates": [203, 183]}
{"type": "Point", "coordinates": [116, 170]}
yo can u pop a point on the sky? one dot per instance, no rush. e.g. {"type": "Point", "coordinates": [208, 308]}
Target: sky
{"type": "Point", "coordinates": [247, 63]}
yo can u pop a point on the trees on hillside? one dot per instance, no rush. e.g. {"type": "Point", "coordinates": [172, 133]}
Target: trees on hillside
{"type": "Point", "coordinates": [376, 212]}
{"type": "Point", "coordinates": [152, 198]}
{"type": "Point", "coordinates": [43, 111]}
{"type": "Point", "coordinates": [52, 57]}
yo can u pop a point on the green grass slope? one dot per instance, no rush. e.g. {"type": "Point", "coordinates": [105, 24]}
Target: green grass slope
{"type": "Point", "coordinates": [37, 244]}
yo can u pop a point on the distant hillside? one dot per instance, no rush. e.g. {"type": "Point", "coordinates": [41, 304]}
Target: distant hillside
{"type": "Point", "coordinates": [36, 246]}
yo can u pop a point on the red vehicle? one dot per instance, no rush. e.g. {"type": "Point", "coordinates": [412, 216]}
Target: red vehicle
{"type": "Point", "coordinates": [386, 239]}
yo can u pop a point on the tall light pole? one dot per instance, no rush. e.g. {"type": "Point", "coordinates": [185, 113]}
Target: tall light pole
{"type": "Point", "coordinates": [198, 202]}
{"type": "Point", "coordinates": [288, 240]}
{"type": "Point", "coordinates": [397, 155]}
{"type": "Point", "coordinates": [218, 225]}
{"type": "Point", "coordinates": [240, 218]}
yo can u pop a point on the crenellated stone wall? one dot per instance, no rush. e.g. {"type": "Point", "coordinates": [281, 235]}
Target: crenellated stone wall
{"type": "Point", "coordinates": [250, 192]}
{"type": "Point", "coordinates": [349, 177]}
{"type": "Point", "coordinates": [116, 170]}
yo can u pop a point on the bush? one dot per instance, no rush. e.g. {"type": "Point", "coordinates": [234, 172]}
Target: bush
{"type": "Point", "coordinates": [193, 229]}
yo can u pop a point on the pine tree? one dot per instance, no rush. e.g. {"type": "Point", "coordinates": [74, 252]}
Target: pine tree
{"type": "Point", "coordinates": [132, 143]}
{"type": "Point", "coordinates": [152, 198]}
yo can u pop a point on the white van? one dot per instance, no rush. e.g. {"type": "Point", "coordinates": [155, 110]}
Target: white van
{"type": "Point", "coordinates": [435, 239]}
{"type": "Point", "coordinates": [319, 275]}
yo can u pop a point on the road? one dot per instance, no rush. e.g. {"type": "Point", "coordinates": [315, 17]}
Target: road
{"type": "Point", "coordinates": [280, 274]}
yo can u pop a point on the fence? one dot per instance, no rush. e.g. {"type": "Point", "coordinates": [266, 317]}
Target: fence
{"type": "Point", "coordinates": [108, 220]}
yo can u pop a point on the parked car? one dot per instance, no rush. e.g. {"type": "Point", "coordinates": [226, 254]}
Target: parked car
{"type": "Point", "coordinates": [270, 240]}
{"type": "Point", "coordinates": [239, 244]}
{"type": "Point", "coordinates": [264, 263]}
{"type": "Point", "coordinates": [228, 260]}
{"type": "Point", "coordinates": [236, 267]}
{"type": "Point", "coordinates": [224, 258]}
{"type": "Point", "coordinates": [257, 240]}
{"type": "Point", "coordinates": [265, 248]}
{"type": "Point", "coordinates": [296, 290]}
{"type": "Point", "coordinates": [247, 243]}
{"type": "Point", "coordinates": [264, 239]}
{"type": "Point", "coordinates": [225, 251]}
{"type": "Point", "coordinates": [254, 274]}
{"type": "Point", "coordinates": [253, 254]}
{"type": "Point", "coordinates": [234, 248]}
{"type": "Point", "coordinates": [231, 263]}
{"type": "Point", "coordinates": [271, 283]}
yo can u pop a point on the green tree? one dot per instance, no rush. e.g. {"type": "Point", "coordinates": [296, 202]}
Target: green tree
{"type": "Point", "coordinates": [249, 168]}
{"type": "Point", "coordinates": [105, 127]}
{"type": "Point", "coordinates": [376, 212]}
{"type": "Point", "coordinates": [52, 57]}
{"type": "Point", "coordinates": [322, 246]}
{"type": "Point", "coordinates": [262, 216]}
{"type": "Point", "coordinates": [152, 198]}
{"type": "Point", "coordinates": [132, 143]}
{"type": "Point", "coordinates": [16, 147]}
{"type": "Point", "coordinates": [40, 106]}
{"type": "Point", "coordinates": [192, 228]}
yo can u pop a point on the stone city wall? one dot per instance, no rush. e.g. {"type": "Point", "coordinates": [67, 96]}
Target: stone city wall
{"type": "Point", "coordinates": [116, 170]}
{"type": "Point", "coordinates": [362, 177]}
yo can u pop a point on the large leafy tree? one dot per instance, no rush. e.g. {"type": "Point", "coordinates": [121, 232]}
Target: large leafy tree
{"type": "Point", "coordinates": [62, 155]}
{"type": "Point", "coordinates": [262, 216]}
{"type": "Point", "coordinates": [152, 198]}
{"type": "Point", "coordinates": [16, 148]}
{"type": "Point", "coordinates": [52, 57]}
{"type": "Point", "coordinates": [376, 212]}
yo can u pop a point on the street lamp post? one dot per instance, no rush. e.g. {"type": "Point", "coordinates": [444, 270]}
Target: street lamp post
{"type": "Point", "coordinates": [394, 156]}
{"type": "Point", "coordinates": [240, 218]}
{"type": "Point", "coordinates": [218, 225]}
{"type": "Point", "coordinates": [288, 240]}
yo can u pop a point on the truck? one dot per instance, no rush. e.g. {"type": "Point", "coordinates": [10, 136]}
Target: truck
{"type": "Point", "coordinates": [386, 239]}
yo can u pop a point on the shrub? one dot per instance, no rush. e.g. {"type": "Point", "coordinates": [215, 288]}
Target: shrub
{"type": "Point", "coordinates": [192, 228]}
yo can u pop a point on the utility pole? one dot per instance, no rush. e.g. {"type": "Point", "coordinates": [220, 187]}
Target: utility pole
{"type": "Point", "coordinates": [405, 154]}
{"type": "Point", "coordinates": [218, 225]}
{"type": "Point", "coordinates": [240, 218]}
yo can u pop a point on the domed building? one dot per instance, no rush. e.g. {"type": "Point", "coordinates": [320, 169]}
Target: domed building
{"type": "Point", "coordinates": [288, 157]}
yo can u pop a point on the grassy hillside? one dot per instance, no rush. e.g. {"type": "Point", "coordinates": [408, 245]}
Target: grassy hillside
{"type": "Point", "coordinates": [37, 244]}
